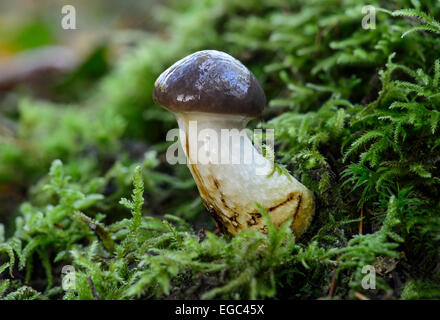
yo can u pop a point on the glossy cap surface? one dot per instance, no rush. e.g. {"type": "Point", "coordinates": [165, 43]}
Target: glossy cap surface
{"type": "Point", "coordinates": [209, 81]}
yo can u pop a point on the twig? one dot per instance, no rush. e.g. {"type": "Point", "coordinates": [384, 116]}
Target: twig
{"type": "Point", "coordinates": [350, 202]}
{"type": "Point", "coordinates": [92, 287]}
{"type": "Point", "coordinates": [360, 296]}
{"type": "Point", "coordinates": [103, 233]}
{"type": "Point", "coordinates": [333, 284]}
{"type": "Point", "coordinates": [334, 278]}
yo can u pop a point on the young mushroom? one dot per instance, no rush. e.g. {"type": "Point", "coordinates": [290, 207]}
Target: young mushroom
{"type": "Point", "coordinates": [213, 96]}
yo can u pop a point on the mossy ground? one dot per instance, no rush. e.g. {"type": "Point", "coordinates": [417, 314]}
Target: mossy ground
{"type": "Point", "coordinates": [356, 114]}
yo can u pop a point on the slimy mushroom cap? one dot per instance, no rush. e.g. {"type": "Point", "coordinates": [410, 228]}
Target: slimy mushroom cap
{"type": "Point", "coordinates": [209, 81]}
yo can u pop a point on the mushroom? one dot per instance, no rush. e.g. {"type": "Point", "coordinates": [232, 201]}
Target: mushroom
{"type": "Point", "coordinates": [211, 93]}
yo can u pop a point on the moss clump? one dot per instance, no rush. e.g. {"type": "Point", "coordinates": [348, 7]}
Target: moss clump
{"type": "Point", "coordinates": [356, 114]}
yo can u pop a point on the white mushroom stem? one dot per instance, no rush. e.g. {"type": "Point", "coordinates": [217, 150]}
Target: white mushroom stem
{"type": "Point", "coordinates": [231, 175]}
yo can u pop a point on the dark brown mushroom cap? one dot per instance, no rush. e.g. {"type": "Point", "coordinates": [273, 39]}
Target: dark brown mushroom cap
{"type": "Point", "coordinates": [209, 81]}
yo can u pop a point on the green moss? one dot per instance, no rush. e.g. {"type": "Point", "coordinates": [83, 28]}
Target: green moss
{"type": "Point", "coordinates": [356, 116]}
